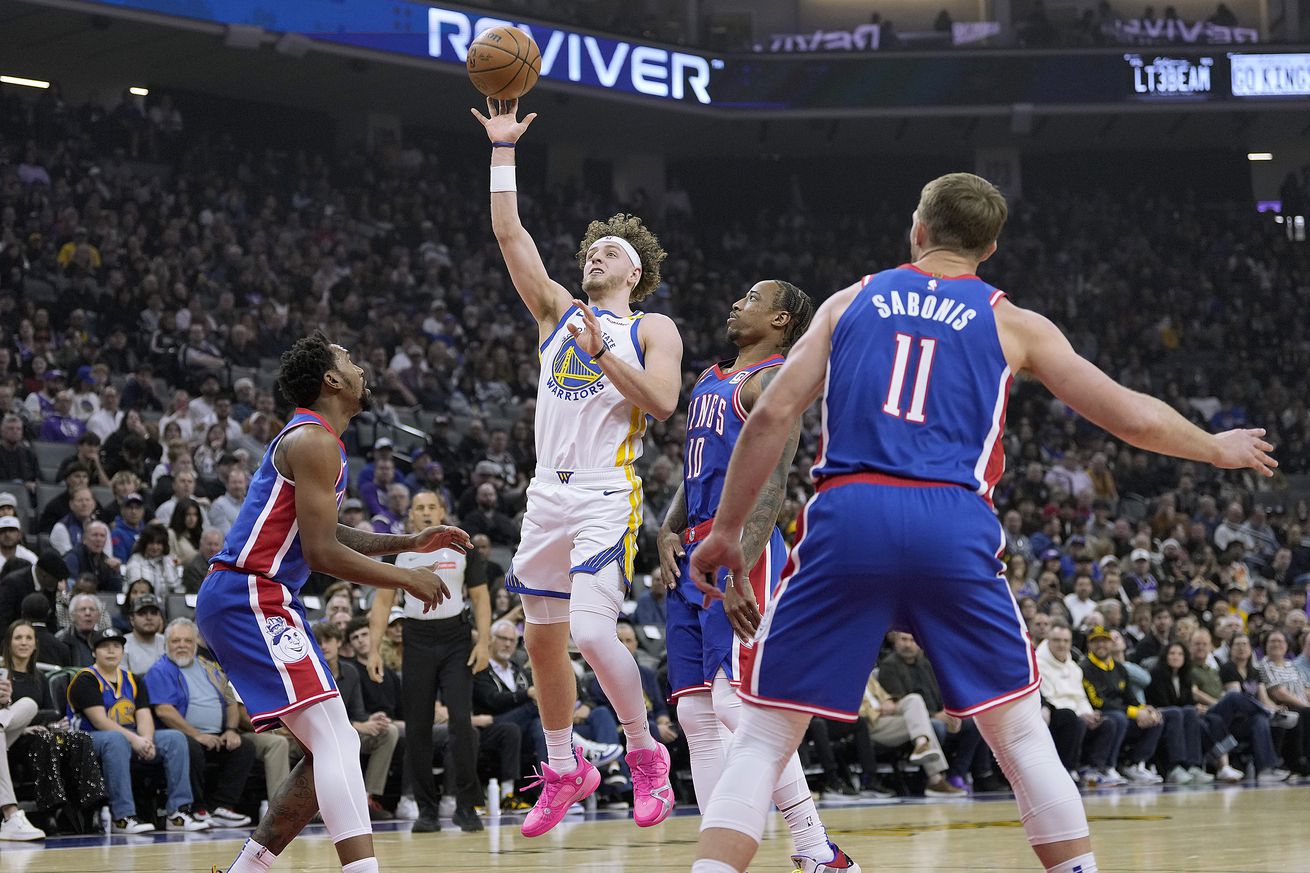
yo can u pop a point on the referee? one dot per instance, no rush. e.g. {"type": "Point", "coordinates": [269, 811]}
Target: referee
{"type": "Point", "coordinates": [439, 655]}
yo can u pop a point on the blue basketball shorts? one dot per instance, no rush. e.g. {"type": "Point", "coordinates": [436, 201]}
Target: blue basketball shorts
{"type": "Point", "coordinates": [258, 631]}
{"type": "Point", "coordinates": [700, 641]}
{"type": "Point", "coordinates": [916, 557]}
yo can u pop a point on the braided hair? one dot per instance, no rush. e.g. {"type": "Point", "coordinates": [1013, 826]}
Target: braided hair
{"type": "Point", "coordinates": [796, 303]}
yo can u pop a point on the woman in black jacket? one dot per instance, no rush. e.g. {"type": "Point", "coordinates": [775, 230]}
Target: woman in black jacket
{"type": "Point", "coordinates": [60, 762]}
{"type": "Point", "coordinates": [1170, 692]}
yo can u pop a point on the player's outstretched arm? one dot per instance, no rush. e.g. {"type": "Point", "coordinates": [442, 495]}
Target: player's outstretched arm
{"type": "Point", "coordinates": [546, 299]}
{"type": "Point", "coordinates": [653, 389]}
{"type": "Point", "coordinates": [1035, 344]}
{"type": "Point", "coordinates": [313, 462]}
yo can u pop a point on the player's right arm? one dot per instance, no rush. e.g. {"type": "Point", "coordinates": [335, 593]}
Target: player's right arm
{"type": "Point", "coordinates": [669, 540]}
{"type": "Point", "coordinates": [546, 299]}
{"type": "Point", "coordinates": [313, 462]}
{"type": "Point", "coordinates": [1032, 342]}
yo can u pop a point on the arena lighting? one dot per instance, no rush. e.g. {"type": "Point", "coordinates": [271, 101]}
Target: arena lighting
{"type": "Point", "coordinates": [138, 91]}
{"type": "Point", "coordinates": [26, 83]}
{"type": "Point", "coordinates": [1259, 156]}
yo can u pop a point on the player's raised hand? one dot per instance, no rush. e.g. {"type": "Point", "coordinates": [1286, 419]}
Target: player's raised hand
{"type": "Point", "coordinates": [671, 552]}
{"type": "Point", "coordinates": [501, 121]}
{"type": "Point", "coordinates": [590, 338]}
{"type": "Point", "coordinates": [443, 536]}
{"type": "Point", "coordinates": [718, 550]}
{"type": "Point", "coordinates": [1243, 448]}
{"type": "Point", "coordinates": [426, 586]}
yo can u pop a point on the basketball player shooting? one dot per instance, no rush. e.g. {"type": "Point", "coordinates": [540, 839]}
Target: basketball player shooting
{"type": "Point", "coordinates": [706, 659]}
{"type": "Point", "coordinates": [915, 366]}
{"type": "Point", "coordinates": [250, 613]}
{"type": "Point", "coordinates": [604, 368]}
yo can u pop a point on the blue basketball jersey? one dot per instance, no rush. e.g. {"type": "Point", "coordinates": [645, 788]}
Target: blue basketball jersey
{"type": "Point", "coordinates": [714, 421]}
{"type": "Point", "coordinates": [265, 538]}
{"type": "Point", "coordinates": [917, 382]}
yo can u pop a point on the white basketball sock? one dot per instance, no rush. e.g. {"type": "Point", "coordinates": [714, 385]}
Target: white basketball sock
{"type": "Point", "coordinates": [705, 742]}
{"type": "Point", "coordinates": [559, 748]}
{"type": "Point", "coordinates": [707, 866]}
{"type": "Point", "coordinates": [793, 799]}
{"type": "Point", "coordinates": [254, 858]}
{"type": "Point", "coordinates": [364, 865]}
{"type": "Point", "coordinates": [594, 609]}
{"type": "Point", "coordinates": [1081, 864]}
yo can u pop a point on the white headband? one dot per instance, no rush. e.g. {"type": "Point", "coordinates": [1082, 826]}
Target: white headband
{"type": "Point", "coordinates": [621, 243]}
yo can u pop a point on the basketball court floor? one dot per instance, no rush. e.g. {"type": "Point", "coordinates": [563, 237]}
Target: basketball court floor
{"type": "Point", "coordinates": [1240, 829]}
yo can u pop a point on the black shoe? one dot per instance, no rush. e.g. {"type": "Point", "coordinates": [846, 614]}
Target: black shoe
{"type": "Point", "coordinates": [467, 819]}
{"type": "Point", "coordinates": [990, 782]}
{"type": "Point", "coordinates": [837, 785]}
{"type": "Point", "coordinates": [425, 824]}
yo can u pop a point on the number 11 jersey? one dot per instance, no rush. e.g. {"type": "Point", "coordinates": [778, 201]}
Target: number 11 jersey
{"type": "Point", "coordinates": [917, 383]}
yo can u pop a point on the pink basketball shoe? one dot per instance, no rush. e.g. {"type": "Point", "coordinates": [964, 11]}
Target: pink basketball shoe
{"type": "Point", "coordinates": [560, 791]}
{"type": "Point", "coordinates": [652, 793]}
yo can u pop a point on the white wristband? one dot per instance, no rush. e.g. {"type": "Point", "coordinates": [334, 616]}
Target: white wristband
{"type": "Point", "coordinates": [502, 179]}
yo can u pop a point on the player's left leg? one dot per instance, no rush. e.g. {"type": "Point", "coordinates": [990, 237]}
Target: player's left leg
{"type": "Point", "coordinates": [791, 795]}
{"type": "Point", "coordinates": [734, 825]}
{"type": "Point", "coordinates": [594, 612]}
{"type": "Point", "coordinates": [1049, 804]}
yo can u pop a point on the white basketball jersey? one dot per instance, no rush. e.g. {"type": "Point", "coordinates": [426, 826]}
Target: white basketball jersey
{"type": "Point", "coordinates": [583, 422]}
{"type": "Point", "coordinates": [449, 565]}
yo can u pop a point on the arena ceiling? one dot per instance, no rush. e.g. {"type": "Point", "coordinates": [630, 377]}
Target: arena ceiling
{"type": "Point", "coordinates": [91, 53]}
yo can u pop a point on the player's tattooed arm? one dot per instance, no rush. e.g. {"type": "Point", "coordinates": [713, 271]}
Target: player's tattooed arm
{"type": "Point", "coordinates": [371, 544]}
{"type": "Point", "coordinates": [739, 600]}
{"type": "Point", "coordinates": [670, 538]}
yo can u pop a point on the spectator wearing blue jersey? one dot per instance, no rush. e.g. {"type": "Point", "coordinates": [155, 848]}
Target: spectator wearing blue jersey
{"type": "Point", "coordinates": [128, 526]}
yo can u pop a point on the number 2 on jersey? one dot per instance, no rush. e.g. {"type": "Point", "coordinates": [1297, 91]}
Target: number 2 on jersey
{"type": "Point", "coordinates": [927, 348]}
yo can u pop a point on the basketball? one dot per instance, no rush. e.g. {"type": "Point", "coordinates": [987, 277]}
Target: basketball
{"type": "Point", "coordinates": [504, 63]}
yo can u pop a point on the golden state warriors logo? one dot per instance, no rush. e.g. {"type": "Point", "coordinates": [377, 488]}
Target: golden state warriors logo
{"type": "Point", "coordinates": [573, 374]}
{"type": "Point", "coordinates": [287, 643]}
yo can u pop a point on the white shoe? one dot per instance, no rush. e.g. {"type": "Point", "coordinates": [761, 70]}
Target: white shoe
{"type": "Point", "coordinates": [1228, 773]}
{"type": "Point", "coordinates": [1110, 777]}
{"type": "Point", "coordinates": [446, 807]}
{"type": "Point", "coordinates": [1179, 776]}
{"type": "Point", "coordinates": [599, 754]}
{"type": "Point", "coordinates": [185, 821]}
{"type": "Point", "coordinates": [1274, 774]}
{"type": "Point", "coordinates": [19, 829]}
{"type": "Point", "coordinates": [222, 817]}
{"type": "Point", "coordinates": [1139, 774]}
{"type": "Point", "coordinates": [406, 810]}
{"type": "Point", "coordinates": [130, 825]}
{"type": "Point", "coordinates": [1199, 776]}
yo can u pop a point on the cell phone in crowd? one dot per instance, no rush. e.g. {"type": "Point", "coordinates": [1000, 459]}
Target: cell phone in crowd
{"type": "Point", "coordinates": [4, 674]}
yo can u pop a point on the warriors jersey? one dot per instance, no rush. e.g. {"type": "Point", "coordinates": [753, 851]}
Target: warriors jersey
{"type": "Point", "coordinates": [583, 422]}
{"type": "Point", "coordinates": [265, 538]}
{"type": "Point", "coordinates": [714, 421]}
{"type": "Point", "coordinates": [917, 382]}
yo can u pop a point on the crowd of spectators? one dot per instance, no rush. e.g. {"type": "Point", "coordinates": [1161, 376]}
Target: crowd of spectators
{"type": "Point", "coordinates": [148, 281]}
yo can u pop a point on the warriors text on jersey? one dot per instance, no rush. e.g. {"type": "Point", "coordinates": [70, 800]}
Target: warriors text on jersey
{"type": "Point", "coordinates": [583, 422]}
